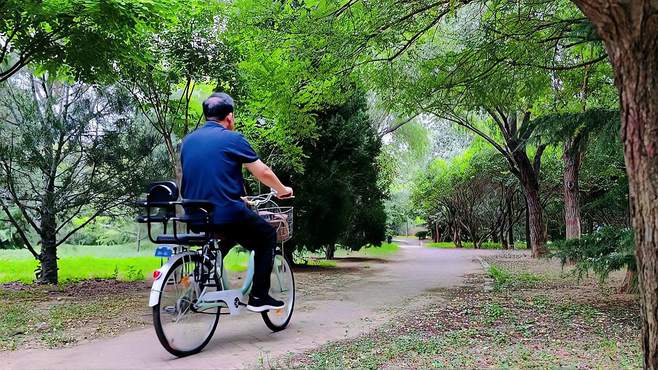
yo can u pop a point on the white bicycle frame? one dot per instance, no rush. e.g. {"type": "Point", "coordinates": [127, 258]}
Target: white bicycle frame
{"type": "Point", "coordinates": [233, 299]}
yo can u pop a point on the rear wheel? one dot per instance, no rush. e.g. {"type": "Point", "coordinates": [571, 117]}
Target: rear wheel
{"type": "Point", "coordinates": [282, 287]}
{"type": "Point", "coordinates": [183, 328]}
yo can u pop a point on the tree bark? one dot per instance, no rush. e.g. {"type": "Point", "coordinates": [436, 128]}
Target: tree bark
{"type": "Point", "coordinates": [329, 252]}
{"type": "Point", "coordinates": [629, 285]}
{"type": "Point", "coordinates": [503, 237]}
{"type": "Point", "coordinates": [629, 30]}
{"type": "Point", "coordinates": [572, 159]}
{"type": "Point", "coordinates": [456, 236]}
{"type": "Point", "coordinates": [48, 259]}
{"type": "Point", "coordinates": [527, 223]}
{"type": "Point", "coordinates": [48, 255]}
{"type": "Point", "coordinates": [510, 224]}
{"type": "Point", "coordinates": [535, 223]}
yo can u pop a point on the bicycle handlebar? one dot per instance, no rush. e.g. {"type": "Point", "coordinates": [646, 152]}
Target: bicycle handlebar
{"type": "Point", "coordinates": [258, 200]}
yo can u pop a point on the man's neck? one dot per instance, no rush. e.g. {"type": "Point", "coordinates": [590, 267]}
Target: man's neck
{"type": "Point", "coordinates": [221, 123]}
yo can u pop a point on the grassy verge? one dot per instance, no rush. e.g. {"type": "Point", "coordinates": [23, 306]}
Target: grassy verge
{"type": "Point", "coordinates": [469, 245]}
{"type": "Point", "coordinates": [317, 258]}
{"type": "Point", "coordinates": [533, 320]}
{"type": "Point", "coordinates": [81, 268]}
{"type": "Point", "coordinates": [46, 316]}
{"type": "Point", "coordinates": [75, 267]}
{"type": "Point", "coordinates": [384, 249]}
{"type": "Point", "coordinates": [125, 263]}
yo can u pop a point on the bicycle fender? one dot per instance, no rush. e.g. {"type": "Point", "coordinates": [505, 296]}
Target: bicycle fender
{"type": "Point", "coordinates": [158, 283]}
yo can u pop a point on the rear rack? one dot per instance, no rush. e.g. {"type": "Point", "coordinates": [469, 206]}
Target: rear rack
{"type": "Point", "coordinates": [161, 204]}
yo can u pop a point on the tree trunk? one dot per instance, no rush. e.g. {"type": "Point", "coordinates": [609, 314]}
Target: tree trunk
{"type": "Point", "coordinates": [510, 223]}
{"type": "Point", "coordinates": [535, 224]}
{"type": "Point", "coordinates": [329, 251]}
{"type": "Point", "coordinates": [572, 159]}
{"type": "Point", "coordinates": [48, 255]}
{"type": "Point", "coordinates": [640, 131]}
{"type": "Point", "coordinates": [527, 224]}
{"type": "Point", "coordinates": [503, 237]}
{"type": "Point", "coordinates": [178, 167]}
{"type": "Point", "coordinates": [456, 237]}
{"type": "Point", "coordinates": [629, 30]}
{"type": "Point", "coordinates": [629, 285]}
{"type": "Point", "coordinates": [48, 233]}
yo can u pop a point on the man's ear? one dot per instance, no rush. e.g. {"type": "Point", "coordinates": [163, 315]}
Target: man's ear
{"type": "Point", "coordinates": [231, 120]}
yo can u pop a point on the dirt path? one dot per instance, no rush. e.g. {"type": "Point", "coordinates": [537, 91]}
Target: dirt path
{"type": "Point", "coordinates": [321, 315]}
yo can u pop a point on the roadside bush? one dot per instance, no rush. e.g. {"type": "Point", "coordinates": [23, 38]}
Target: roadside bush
{"type": "Point", "coordinates": [421, 235]}
{"type": "Point", "coordinates": [604, 251]}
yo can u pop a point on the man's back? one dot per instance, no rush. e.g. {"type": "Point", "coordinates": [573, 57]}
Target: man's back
{"type": "Point", "coordinates": [211, 160]}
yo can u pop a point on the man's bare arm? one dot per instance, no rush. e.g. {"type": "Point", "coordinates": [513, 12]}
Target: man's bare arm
{"type": "Point", "coordinates": [264, 174]}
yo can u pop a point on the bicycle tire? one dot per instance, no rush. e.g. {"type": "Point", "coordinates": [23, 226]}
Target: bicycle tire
{"type": "Point", "coordinates": [280, 325]}
{"type": "Point", "coordinates": [157, 322]}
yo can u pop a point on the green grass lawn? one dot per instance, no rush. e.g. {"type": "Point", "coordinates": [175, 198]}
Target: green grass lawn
{"type": "Point", "coordinates": [384, 249]}
{"type": "Point", "coordinates": [121, 262]}
{"type": "Point", "coordinates": [125, 263]}
{"type": "Point", "coordinates": [469, 245]}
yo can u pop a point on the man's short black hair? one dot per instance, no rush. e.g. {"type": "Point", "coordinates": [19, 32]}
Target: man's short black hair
{"type": "Point", "coordinates": [218, 106]}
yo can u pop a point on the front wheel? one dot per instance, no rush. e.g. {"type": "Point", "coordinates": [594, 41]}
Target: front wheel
{"type": "Point", "coordinates": [282, 287]}
{"type": "Point", "coordinates": [184, 328]}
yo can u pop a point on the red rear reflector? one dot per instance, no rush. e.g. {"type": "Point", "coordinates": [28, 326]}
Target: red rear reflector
{"type": "Point", "coordinates": [156, 274]}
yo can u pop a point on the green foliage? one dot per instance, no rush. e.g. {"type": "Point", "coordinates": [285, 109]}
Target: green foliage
{"type": "Point", "coordinates": [174, 69]}
{"type": "Point", "coordinates": [421, 235]}
{"type": "Point", "coordinates": [90, 156]}
{"type": "Point", "coordinates": [603, 251]}
{"type": "Point", "coordinates": [339, 200]}
{"type": "Point", "coordinates": [103, 231]}
{"type": "Point", "coordinates": [9, 236]}
{"type": "Point", "coordinates": [467, 194]}
{"type": "Point", "coordinates": [504, 279]}
{"type": "Point", "coordinates": [283, 85]}
{"type": "Point", "coordinates": [79, 37]}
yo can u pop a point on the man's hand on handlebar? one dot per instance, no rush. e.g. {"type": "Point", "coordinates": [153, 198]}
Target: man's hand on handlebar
{"type": "Point", "coordinates": [288, 193]}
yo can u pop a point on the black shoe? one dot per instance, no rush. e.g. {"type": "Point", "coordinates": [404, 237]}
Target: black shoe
{"type": "Point", "coordinates": [257, 304]}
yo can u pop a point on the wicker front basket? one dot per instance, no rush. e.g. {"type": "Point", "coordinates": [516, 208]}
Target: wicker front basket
{"type": "Point", "coordinates": [281, 219]}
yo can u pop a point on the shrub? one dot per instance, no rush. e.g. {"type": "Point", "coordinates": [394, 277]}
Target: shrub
{"type": "Point", "coordinates": [606, 250]}
{"type": "Point", "coordinates": [421, 235]}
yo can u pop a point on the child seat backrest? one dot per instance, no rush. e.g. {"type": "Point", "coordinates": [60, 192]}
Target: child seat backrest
{"type": "Point", "coordinates": [161, 192]}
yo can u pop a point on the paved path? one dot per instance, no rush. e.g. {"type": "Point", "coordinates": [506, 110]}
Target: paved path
{"type": "Point", "coordinates": [245, 341]}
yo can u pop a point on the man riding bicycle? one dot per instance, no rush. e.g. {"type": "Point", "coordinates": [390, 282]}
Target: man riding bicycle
{"type": "Point", "coordinates": [212, 158]}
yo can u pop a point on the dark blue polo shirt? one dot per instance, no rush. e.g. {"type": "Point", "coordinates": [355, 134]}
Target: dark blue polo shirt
{"type": "Point", "coordinates": [211, 159]}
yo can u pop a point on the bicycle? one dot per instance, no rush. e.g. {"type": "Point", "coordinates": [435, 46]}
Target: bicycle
{"type": "Point", "coordinates": [190, 290]}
